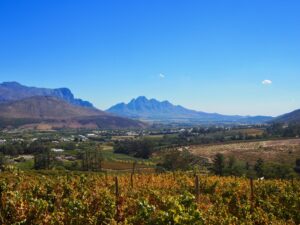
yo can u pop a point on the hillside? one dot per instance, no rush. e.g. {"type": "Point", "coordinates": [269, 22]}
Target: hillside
{"type": "Point", "coordinates": [153, 110]}
{"type": "Point", "coordinates": [44, 108]}
{"type": "Point", "coordinates": [49, 112]}
{"type": "Point", "coordinates": [292, 117]}
{"type": "Point", "coordinates": [12, 91]}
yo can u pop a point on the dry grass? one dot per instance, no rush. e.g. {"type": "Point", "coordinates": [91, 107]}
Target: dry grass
{"type": "Point", "coordinates": [283, 151]}
{"type": "Point", "coordinates": [251, 132]}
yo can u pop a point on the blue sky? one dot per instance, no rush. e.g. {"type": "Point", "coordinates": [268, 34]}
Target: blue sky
{"type": "Point", "coordinates": [206, 55]}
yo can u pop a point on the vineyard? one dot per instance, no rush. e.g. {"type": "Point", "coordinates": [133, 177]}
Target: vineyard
{"type": "Point", "coordinates": [98, 198]}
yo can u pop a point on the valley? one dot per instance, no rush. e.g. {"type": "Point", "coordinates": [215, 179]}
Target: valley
{"type": "Point", "coordinates": [150, 112]}
{"type": "Point", "coordinates": [142, 158]}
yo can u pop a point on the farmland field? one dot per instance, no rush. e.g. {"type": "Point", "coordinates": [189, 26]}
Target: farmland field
{"type": "Point", "coordinates": [121, 165]}
{"type": "Point", "coordinates": [282, 151]}
{"type": "Point", "coordinates": [91, 198]}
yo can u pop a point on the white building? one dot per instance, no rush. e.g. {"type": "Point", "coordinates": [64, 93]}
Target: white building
{"type": "Point", "coordinates": [57, 150]}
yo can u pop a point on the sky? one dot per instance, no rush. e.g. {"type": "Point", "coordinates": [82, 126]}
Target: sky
{"type": "Point", "coordinates": [226, 56]}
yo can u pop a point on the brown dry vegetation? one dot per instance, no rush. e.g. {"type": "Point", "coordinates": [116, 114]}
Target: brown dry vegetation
{"type": "Point", "coordinates": [251, 131]}
{"type": "Point", "coordinates": [283, 151]}
{"type": "Point", "coordinates": [54, 197]}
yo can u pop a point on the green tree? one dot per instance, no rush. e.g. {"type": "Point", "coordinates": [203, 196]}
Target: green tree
{"type": "Point", "coordinates": [231, 162]}
{"type": "Point", "coordinates": [259, 167]}
{"type": "Point", "coordinates": [219, 164]}
{"type": "Point", "coordinates": [2, 161]}
{"type": "Point", "coordinates": [92, 159]}
{"type": "Point", "coordinates": [42, 160]}
{"type": "Point", "coordinates": [297, 167]}
{"type": "Point", "coordinates": [178, 160]}
{"type": "Point", "coordinates": [247, 166]}
{"type": "Point", "coordinates": [233, 167]}
{"type": "Point", "coordinates": [278, 171]}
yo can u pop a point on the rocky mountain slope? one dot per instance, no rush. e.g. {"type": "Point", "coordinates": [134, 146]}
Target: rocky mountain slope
{"type": "Point", "coordinates": [12, 91]}
{"type": "Point", "coordinates": [44, 112]}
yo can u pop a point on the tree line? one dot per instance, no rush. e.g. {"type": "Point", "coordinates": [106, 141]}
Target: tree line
{"type": "Point", "coordinates": [231, 167]}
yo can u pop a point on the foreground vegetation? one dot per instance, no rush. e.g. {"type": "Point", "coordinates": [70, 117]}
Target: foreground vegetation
{"type": "Point", "coordinates": [49, 197]}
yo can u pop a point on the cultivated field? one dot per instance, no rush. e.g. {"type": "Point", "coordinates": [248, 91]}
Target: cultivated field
{"type": "Point", "coordinates": [283, 151]}
{"type": "Point", "coordinates": [51, 197]}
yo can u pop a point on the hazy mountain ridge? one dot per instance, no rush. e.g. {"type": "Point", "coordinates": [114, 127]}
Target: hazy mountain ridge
{"type": "Point", "coordinates": [12, 91]}
{"type": "Point", "coordinates": [151, 109]}
{"type": "Point", "coordinates": [292, 117]}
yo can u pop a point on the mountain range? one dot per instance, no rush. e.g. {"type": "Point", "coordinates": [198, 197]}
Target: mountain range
{"type": "Point", "coordinates": [22, 106]}
{"type": "Point", "coordinates": [42, 108]}
{"type": "Point", "coordinates": [153, 110]}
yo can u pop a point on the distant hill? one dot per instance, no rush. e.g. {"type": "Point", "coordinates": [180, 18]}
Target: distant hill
{"type": "Point", "coordinates": [45, 107]}
{"type": "Point", "coordinates": [12, 91]}
{"type": "Point", "coordinates": [292, 117]}
{"type": "Point", "coordinates": [153, 110]}
{"type": "Point", "coordinates": [51, 112]}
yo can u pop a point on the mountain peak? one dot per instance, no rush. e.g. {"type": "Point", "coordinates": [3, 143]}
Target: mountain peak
{"type": "Point", "coordinates": [142, 107]}
{"type": "Point", "coordinates": [12, 91]}
{"type": "Point", "coordinates": [163, 111]}
{"type": "Point", "coordinates": [140, 99]}
{"type": "Point", "coordinates": [11, 84]}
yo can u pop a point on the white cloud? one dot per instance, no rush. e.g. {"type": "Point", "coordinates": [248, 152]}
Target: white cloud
{"type": "Point", "coordinates": [266, 82]}
{"type": "Point", "coordinates": [162, 76]}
